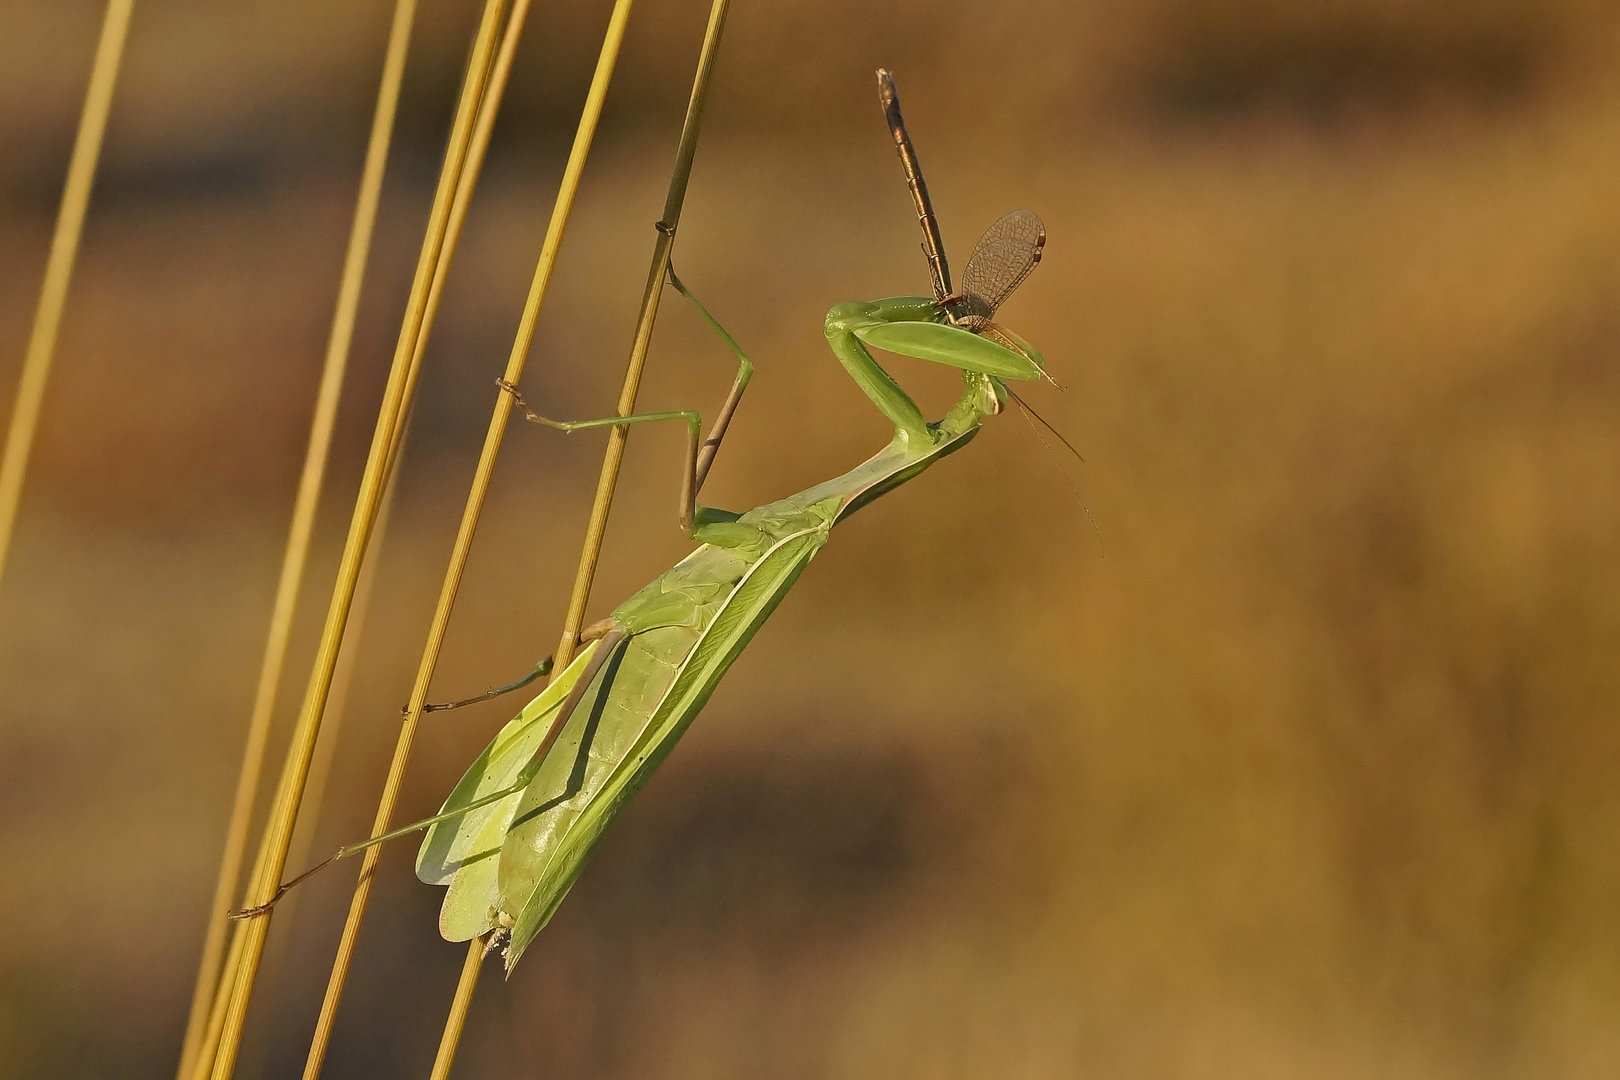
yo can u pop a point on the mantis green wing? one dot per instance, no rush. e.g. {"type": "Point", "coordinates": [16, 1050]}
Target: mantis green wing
{"type": "Point", "coordinates": [557, 826]}
{"type": "Point", "coordinates": [462, 852]}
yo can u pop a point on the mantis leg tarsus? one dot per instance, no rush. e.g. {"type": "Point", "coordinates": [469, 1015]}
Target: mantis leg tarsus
{"type": "Point", "coordinates": [541, 669]}
{"type": "Point", "coordinates": [285, 888]}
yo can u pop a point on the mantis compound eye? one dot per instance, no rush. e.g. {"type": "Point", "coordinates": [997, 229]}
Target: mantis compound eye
{"type": "Point", "coordinates": [997, 393]}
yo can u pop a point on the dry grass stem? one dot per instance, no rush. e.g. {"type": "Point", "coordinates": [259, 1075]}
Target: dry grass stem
{"type": "Point", "coordinates": [482, 128]}
{"type": "Point", "coordinates": [385, 441]}
{"type": "Point", "coordinates": [550, 247]}
{"type": "Point", "coordinates": [305, 504]}
{"type": "Point", "coordinates": [456, 1019]}
{"type": "Point", "coordinates": [59, 268]}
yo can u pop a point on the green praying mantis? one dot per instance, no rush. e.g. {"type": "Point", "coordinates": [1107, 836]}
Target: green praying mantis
{"type": "Point", "coordinates": [517, 831]}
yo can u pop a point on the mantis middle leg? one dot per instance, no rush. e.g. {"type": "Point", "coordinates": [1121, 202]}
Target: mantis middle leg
{"type": "Point", "coordinates": [700, 452]}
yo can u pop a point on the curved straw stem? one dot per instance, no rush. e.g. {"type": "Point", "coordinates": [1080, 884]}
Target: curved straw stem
{"type": "Point", "coordinates": [59, 266]}
{"type": "Point", "coordinates": [436, 247]}
{"type": "Point", "coordinates": [456, 1019]}
{"type": "Point", "coordinates": [305, 504]}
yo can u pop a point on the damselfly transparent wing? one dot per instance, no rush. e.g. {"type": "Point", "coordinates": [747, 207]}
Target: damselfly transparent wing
{"type": "Point", "coordinates": [1006, 253]}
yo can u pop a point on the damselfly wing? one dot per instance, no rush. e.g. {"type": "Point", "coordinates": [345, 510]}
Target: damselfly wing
{"type": "Point", "coordinates": [1004, 256]}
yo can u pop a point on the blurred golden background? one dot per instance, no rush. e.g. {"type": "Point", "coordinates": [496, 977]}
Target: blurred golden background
{"type": "Point", "coordinates": [1297, 758]}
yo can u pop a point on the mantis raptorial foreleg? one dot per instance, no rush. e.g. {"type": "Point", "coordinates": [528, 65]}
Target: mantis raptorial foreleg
{"type": "Point", "coordinates": [914, 326]}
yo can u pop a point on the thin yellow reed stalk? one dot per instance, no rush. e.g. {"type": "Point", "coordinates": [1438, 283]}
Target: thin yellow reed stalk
{"type": "Point", "coordinates": [385, 440]}
{"type": "Point", "coordinates": [305, 504]}
{"type": "Point", "coordinates": [208, 1048]}
{"type": "Point", "coordinates": [483, 127]}
{"type": "Point", "coordinates": [59, 266]}
{"type": "Point", "coordinates": [548, 255]}
{"type": "Point", "coordinates": [337, 701]}
{"type": "Point", "coordinates": [314, 790]}
{"type": "Point", "coordinates": [674, 200]}
{"type": "Point", "coordinates": [456, 1018]}
{"type": "Point", "coordinates": [320, 770]}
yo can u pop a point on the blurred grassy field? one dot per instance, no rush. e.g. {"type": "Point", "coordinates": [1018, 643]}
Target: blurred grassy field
{"type": "Point", "coordinates": [1296, 759]}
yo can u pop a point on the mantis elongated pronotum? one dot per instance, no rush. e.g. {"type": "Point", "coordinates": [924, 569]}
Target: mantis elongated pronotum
{"type": "Point", "coordinates": [517, 830]}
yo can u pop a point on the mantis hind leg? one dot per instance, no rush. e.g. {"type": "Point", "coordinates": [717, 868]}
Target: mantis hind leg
{"type": "Point", "coordinates": [540, 669]}
{"type": "Point", "coordinates": [612, 635]}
